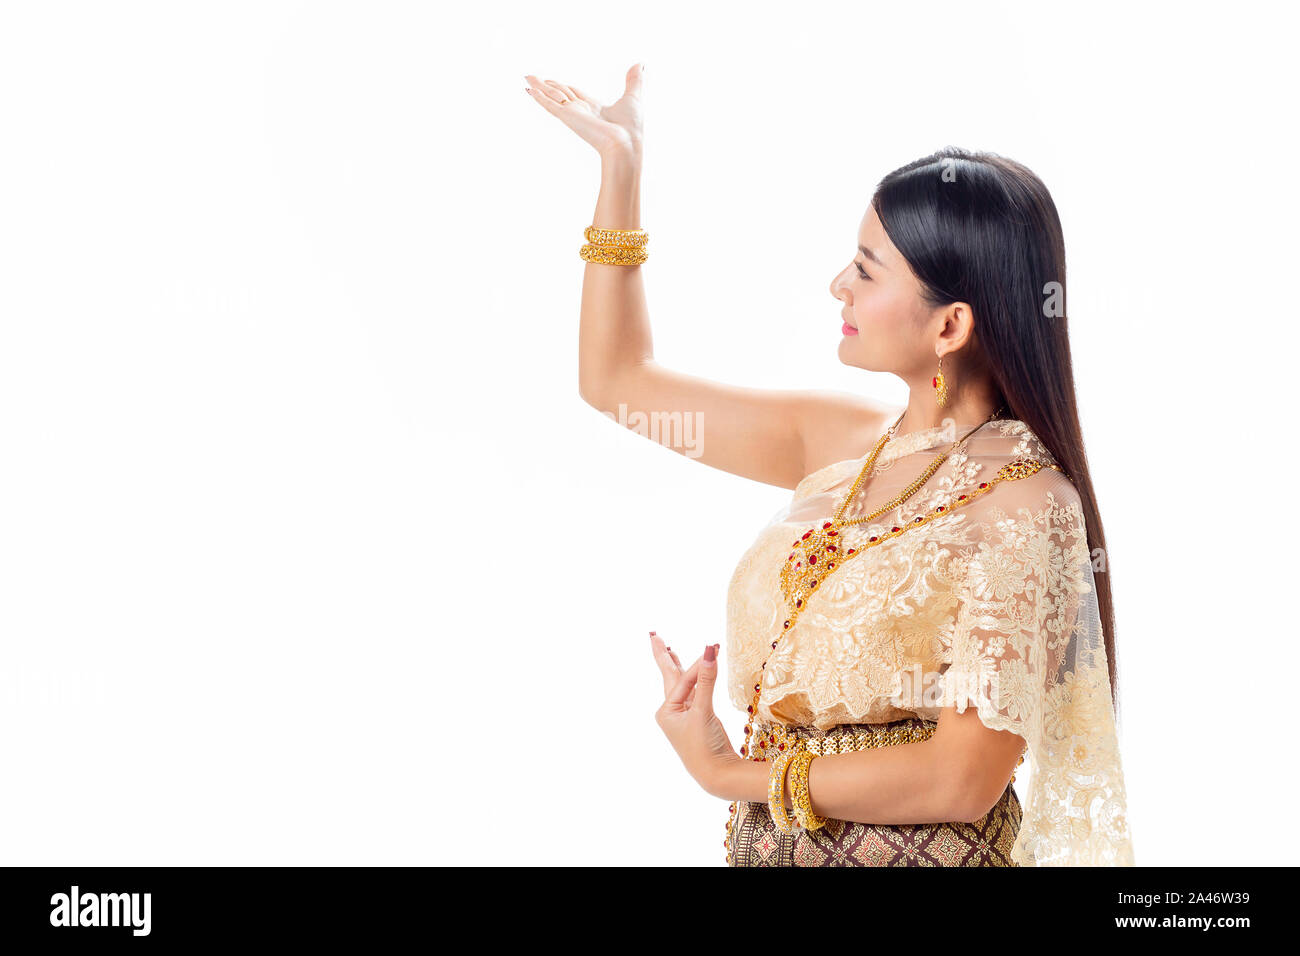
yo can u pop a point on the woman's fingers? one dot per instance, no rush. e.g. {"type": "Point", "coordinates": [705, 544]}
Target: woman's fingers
{"type": "Point", "coordinates": [633, 78]}
{"type": "Point", "coordinates": [548, 103]}
{"type": "Point", "coordinates": [547, 90]}
{"type": "Point", "coordinates": [669, 666]}
{"type": "Point", "coordinates": [566, 90]}
{"type": "Point", "coordinates": [667, 669]}
{"type": "Point", "coordinates": [685, 684]}
{"type": "Point", "coordinates": [679, 685]}
{"type": "Point", "coordinates": [585, 98]}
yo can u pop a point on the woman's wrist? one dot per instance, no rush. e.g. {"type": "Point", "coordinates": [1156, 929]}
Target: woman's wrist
{"type": "Point", "coordinates": [619, 204]}
{"type": "Point", "coordinates": [746, 780]}
{"type": "Point", "coordinates": [624, 156]}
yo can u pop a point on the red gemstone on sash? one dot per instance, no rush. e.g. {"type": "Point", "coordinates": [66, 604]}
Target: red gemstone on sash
{"type": "Point", "coordinates": [895, 528]}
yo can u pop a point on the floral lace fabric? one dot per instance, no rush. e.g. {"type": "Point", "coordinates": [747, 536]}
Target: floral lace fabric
{"type": "Point", "coordinates": [992, 605]}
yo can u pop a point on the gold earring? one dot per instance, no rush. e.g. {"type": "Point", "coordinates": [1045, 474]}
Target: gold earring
{"type": "Point", "coordinates": [940, 386]}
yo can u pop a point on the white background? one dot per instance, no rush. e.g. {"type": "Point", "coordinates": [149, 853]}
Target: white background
{"type": "Point", "coordinates": [311, 553]}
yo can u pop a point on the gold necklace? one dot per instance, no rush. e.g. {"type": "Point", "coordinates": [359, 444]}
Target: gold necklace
{"type": "Point", "coordinates": [800, 574]}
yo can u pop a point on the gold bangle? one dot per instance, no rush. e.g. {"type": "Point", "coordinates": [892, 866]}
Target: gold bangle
{"type": "Point", "coordinates": [614, 255]}
{"type": "Point", "coordinates": [629, 238]}
{"type": "Point", "coordinates": [776, 792]}
{"type": "Point", "coordinates": [799, 795]}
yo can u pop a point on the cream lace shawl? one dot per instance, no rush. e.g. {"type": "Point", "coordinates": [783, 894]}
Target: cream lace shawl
{"type": "Point", "coordinates": [992, 605]}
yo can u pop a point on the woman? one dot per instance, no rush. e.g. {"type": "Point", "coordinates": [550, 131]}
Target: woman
{"type": "Point", "coordinates": [933, 603]}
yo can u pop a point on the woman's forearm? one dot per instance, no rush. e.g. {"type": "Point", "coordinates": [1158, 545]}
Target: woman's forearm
{"type": "Point", "coordinates": [614, 329]}
{"type": "Point", "coordinates": [904, 783]}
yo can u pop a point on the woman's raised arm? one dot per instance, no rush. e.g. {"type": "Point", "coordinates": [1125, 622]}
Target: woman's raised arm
{"type": "Point", "coordinates": [776, 436]}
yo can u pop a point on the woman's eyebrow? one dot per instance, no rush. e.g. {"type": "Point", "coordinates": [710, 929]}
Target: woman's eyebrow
{"type": "Point", "coordinates": [871, 255]}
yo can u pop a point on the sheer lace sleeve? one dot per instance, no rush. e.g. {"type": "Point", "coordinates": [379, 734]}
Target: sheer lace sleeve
{"type": "Point", "coordinates": [1027, 652]}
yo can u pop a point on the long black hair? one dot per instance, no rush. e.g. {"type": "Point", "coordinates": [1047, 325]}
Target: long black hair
{"type": "Point", "coordinates": [979, 228]}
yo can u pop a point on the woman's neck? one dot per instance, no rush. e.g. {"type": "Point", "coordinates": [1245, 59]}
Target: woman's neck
{"type": "Point", "coordinates": [966, 410]}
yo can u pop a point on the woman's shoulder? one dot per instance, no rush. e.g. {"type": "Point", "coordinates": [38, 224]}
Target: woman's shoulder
{"type": "Point", "coordinates": [846, 435]}
{"type": "Point", "coordinates": [1027, 472]}
{"type": "Point", "coordinates": [1013, 438]}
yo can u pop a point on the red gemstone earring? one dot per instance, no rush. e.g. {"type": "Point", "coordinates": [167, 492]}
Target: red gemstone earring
{"type": "Point", "coordinates": [940, 386]}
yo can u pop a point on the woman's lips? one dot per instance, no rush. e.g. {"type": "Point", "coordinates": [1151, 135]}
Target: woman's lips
{"type": "Point", "coordinates": [848, 329]}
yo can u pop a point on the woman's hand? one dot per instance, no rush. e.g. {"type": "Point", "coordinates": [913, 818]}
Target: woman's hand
{"type": "Point", "coordinates": [688, 720]}
{"type": "Point", "coordinates": [613, 129]}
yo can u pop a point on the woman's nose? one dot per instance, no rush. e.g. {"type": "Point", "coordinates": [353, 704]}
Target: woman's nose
{"type": "Point", "coordinates": [836, 286]}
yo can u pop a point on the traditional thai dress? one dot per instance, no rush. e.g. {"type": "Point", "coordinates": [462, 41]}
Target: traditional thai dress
{"type": "Point", "coordinates": [970, 593]}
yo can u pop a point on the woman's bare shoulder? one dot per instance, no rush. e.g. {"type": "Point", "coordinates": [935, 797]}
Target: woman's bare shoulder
{"type": "Point", "coordinates": [843, 426]}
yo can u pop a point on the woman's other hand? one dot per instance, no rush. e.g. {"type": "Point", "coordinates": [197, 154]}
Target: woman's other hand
{"type": "Point", "coordinates": [613, 129]}
{"type": "Point", "coordinates": [687, 718]}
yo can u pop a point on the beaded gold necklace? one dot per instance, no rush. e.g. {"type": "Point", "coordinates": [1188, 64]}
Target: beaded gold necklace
{"type": "Point", "coordinates": [825, 537]}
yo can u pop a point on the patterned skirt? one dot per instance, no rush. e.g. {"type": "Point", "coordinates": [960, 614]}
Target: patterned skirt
{"type": "Point", "coordinates": [754, 840]}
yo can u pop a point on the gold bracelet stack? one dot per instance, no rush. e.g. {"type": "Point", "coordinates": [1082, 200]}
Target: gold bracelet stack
{"type": "Point", "coordinates": [799, 795]}
{"type": "Point", "coordinates": [776, 791]}
{"type": "Point", "coordinates": [615, 247]}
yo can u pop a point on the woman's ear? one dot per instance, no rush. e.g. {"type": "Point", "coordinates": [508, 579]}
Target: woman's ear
{"type": "Point", "coordinates": [958, 326]}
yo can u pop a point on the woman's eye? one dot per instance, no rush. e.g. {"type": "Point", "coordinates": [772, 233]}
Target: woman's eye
{"type": "Point", "coordinates": [860, 270]}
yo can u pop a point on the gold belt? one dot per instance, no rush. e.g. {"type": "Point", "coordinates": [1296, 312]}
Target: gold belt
{"type": "Point", "coordinates": [840, 740]}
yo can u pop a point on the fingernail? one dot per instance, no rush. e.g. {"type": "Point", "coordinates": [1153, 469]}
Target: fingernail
{"type": "Point", "coordinates": [710, 653]}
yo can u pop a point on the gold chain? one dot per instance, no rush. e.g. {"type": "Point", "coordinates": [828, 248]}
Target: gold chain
{"type": "Point", "coordinates": [910, 489]}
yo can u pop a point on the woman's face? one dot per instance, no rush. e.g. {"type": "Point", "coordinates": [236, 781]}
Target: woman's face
{"type": "Point", "coordinates": [884, 313]}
